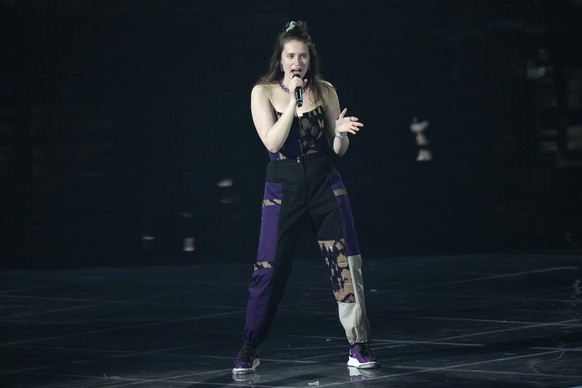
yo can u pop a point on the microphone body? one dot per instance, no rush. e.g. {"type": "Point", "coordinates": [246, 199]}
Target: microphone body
{"type": "Point", "coordinates": [298, 94]}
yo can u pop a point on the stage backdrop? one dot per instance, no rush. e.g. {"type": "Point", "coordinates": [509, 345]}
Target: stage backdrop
{"type": "Point", "coordinates": [126, 134]}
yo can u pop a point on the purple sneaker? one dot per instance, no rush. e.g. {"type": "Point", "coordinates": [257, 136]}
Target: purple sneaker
{"type": "Point", "coordinates": [246, 361]}
{"type": "Point", "coordinates": [361, 356]}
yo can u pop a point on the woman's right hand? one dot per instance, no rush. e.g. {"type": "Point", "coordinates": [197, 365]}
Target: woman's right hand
{"type": "Point", "coordinates": [296, 82]}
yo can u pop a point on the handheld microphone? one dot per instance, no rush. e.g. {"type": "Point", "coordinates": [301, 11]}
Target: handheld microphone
{"type": "Point", "coordinates": [298, 94]}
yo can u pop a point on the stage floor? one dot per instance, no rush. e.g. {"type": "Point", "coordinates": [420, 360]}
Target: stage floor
{"type": "Point", "coordinates": [480, 320]}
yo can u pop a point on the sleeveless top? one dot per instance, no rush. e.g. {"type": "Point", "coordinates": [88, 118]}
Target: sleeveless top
{"type": "Point", "coordinates": [306, 136]}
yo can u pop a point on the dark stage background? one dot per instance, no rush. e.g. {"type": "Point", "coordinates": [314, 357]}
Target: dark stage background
{"type": "Point", "coordinates": [123, 122]}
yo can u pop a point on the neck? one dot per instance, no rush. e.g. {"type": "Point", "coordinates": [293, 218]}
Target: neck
{"type": "Point", "coordinates": [283, 84]}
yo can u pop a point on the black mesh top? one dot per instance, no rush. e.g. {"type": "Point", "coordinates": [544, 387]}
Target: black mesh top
{"type": "Point", "coordinates": [306, 136]}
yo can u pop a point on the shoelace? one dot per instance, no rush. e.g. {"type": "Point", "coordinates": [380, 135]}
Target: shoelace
{"type": "Point", "coordinates": [364, 349]}
{"type": "Point", "coordinates": [244, 354]}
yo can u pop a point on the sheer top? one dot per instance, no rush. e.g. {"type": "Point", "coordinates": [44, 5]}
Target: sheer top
{"type": "Point", "coordinates": [306, 136]}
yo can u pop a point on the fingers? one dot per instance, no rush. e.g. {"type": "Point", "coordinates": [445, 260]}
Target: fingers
{"type": "Point", "coordinates": [349, 119]}
{"type": "Point", "coordinates": [343, 113]}
{"type": "Point", "coordinates": [349, 124]}
{"type": "Point", "coordinates": [355, 123]}
{"type": "Point", "coordinates": [355, 127]}
{"type": "Point", "coordinates": [296, 82]}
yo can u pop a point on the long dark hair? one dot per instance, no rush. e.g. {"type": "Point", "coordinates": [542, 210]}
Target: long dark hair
{"type": "Point", "coordinates": [295, 31]}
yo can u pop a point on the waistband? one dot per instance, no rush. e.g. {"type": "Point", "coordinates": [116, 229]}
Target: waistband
{"type": "Point", "coordinates": [299, 159]}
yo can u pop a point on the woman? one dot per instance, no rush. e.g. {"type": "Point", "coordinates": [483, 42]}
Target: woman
{"type": "Point", "coordinates": [302, 184]}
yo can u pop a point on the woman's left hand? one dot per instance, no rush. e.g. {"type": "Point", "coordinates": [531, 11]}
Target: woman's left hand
{"type": "Point", "coordinates": [347, 124]}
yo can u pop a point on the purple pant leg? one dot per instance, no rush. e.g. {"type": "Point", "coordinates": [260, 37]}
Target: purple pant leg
{"type": "Point", "coordinates": [259, 314]}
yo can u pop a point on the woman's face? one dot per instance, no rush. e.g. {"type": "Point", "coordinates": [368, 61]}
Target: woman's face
{"type": "Point", "coordinates": [295, 59]}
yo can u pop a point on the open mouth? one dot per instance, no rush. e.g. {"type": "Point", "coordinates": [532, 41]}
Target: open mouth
{"type": "Point", "coordinates": [296, 71]}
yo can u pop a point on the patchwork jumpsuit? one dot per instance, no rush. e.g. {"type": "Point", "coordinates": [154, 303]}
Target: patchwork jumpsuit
{"type": "Point", "coordinates": [302, 184]}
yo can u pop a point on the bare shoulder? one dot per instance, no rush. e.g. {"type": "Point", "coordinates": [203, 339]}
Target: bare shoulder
{"type": "Point", "coordinates": [262, 91]}
{"type": "Point", "coordinates": [329, 93]}
{"type": "Point", "coordinates": [327, 84]}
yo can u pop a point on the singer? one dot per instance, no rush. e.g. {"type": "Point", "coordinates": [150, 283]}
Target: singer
{"type": "Point", "coordinates": [297, 117]}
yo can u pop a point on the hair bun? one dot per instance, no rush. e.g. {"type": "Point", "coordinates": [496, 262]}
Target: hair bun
{"type": "Point", "coordinates": [297, 27]}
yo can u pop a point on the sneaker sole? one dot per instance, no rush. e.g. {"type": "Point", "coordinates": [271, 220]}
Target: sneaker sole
{"type": "Point", "coordinates": [362, 365]}
{"type": "Point", "coordinates": [246, 371]}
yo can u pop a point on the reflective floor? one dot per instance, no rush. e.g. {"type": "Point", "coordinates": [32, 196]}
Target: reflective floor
{"type": "Point", "coordinates": [494, 320]}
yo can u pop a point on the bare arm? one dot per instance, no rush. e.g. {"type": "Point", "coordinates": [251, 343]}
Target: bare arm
{"type": "Point", "coordinates": [272, 132]}
{"type": "Point", "coordinates": [338, 124]}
